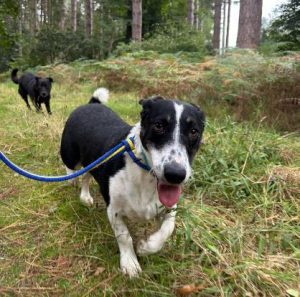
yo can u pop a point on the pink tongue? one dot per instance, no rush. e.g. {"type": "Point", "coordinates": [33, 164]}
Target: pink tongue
{"type": "Point", "coordinates": [168, 195]}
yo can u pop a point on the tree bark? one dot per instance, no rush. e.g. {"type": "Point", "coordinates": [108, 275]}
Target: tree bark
{"type": "Point", "coordinates": [92, 16]}
{"type": "Point", "coordinates": [217, 24]}
{"type": "Point", "coordinates": [196, 17]}
{"type": "Point", "coordinates": [20, 26]}
{"type": "Point", "coordinates": [191, 12]}
{"type": "Point", "coordinates": [224, 28]}
{"type": "Point", "coordinates": [137, 20]}
{"type": "Point", "coordinates": [49, 12]}
{"type": "Point", "coordinates": [43, 11]}
{"type": "Point", "coordinates": [228, 23]}
{"type": "Point", "coordinates": [88, 19]}
{"type": "Point", "coordinates": [74, 15]}
{"type": "Point", "coordinates": [63, 16]}
{"type": "Point", "coordinates": [249, 23]}
{"type": "Point", "coordinates": [33, 16]}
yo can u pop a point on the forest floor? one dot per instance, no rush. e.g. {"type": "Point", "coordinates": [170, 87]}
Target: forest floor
{"type": "Point", "coordinates": [237, 230]}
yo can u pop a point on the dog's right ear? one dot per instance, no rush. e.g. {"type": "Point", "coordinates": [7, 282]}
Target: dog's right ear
{"type": "Point", "coordinates": [148, 101]}
{"type": "Point", "coordinates": [50, 79]}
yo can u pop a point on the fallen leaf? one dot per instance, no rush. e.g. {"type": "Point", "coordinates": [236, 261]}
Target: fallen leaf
{"type": "Point", "coordinates": [99, 270]}
{"type": "Point", "coordinates": [189, 289]}
{"type": "Point", "coordinates": [62, 262]}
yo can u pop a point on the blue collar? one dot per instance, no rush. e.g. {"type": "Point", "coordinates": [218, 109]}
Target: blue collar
{"type": "Point", "coordinates": [130, 148]}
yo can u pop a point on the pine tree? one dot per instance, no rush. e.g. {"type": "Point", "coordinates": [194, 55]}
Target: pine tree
{"type": "Point", "coordinates": [88, 18]}
{"type": "Point", "coordinates": [137, 20]}
{"type": "Point", "coordinates": [190, 12]}
{"type": "Point", "coordinates": [249, 23]}
{"type": "Point", "coordinates": [74, 15]}
{"type": "Point", "coordinates": [217, 24]}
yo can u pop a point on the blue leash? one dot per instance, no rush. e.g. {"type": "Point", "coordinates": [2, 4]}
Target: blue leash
{"type": "Point", "coordinates": [124, 146]}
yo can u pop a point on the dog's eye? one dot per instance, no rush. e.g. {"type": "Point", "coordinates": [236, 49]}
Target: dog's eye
{"type": "Point", "coordinates": [158, 128]}
{"type": "Point", "coordinates": [193, 133]}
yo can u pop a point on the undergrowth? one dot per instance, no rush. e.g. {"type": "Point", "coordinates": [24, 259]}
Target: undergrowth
{"type": "Point", "coordinates": [237, 230]}
{"type": "Point", "coordinates": [250, 86]}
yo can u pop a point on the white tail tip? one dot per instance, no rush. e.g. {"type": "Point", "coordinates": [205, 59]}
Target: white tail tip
{"type": "Point", "coordinates": [101, 94]}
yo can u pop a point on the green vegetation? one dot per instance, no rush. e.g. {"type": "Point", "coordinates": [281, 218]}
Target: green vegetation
{"type": "Point", "coordinates": [33, 33]}
{"type": "Point", "coordinates": [248, 85]}
{"type": "Point", "coordinates": [284, 30]}
{"type": "Point", "coordinates": [237, 231]}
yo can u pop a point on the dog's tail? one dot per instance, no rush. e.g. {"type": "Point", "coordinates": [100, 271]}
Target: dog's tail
{"type": "Point", "coordinates": [101, 95]}
{"type": "Point", "coordinates": [14, 77]}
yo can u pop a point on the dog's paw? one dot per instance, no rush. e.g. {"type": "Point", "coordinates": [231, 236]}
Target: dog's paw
{"type": "Point", "coordinates": [87, 200]}
{"type": "Point", "coordinates": [130, 265]}
{"type": "Point", "coordinates": [148, 247]}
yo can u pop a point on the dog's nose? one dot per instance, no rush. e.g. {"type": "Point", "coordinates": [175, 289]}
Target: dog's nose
{"type": "Point", "coordinates": [174, 173]}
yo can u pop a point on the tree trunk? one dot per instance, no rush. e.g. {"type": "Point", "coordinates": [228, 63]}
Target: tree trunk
{"type": "Point", "coordinates": [137, 20]}
{"type": "Point", "coordinates": [228, 23]}
{"type": "Point", "coordinates": [74, 15]}
{"type": "Point", "coordinates": [33, 16]}
{"type": "Point", "coordinates": [49, 12]}
{"type": "Point", "coordinates": [92, 16]}
{"type": "Point", "coordinates": [43, 11]}
{"type": "Point", "coordinates": [88, 18]}
{"type": "Point", "coordinates": [224, 27]}
{"type": "Point", "coordinates": [196, 16]}
{"type": "Point", "coordinates": [249, 23]}
{"type": "Point", "coordinates": [63, 16]}
{"type": "Point", "coordinates": [217, 24]}
{"type": "Point", "coordinates": [191, 12]}
{"type": "Point", "coordinates": [20, 26]}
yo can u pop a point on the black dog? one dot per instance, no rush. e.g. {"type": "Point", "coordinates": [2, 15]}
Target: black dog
{"type": "Point", "coordinates": [37, 88]}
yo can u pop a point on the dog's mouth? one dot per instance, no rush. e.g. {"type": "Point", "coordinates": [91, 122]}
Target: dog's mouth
{"type": "Point", "coordinates": [168, 194]}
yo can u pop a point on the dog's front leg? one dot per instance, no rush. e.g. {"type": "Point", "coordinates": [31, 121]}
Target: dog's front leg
{"type": "Point", "coordinates": [47, 103]}
{"type": "Point", "coordinates": [128, 260]}
{"type": "Point", "coordinates": [156, 241]}
{"type": "Point", "coordinates": [36, 104]}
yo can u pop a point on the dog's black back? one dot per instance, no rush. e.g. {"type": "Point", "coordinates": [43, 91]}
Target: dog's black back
{"type": "Point", "coordinates": [38, 89]}
{"type": "Point", "coordinates": [92, 130]}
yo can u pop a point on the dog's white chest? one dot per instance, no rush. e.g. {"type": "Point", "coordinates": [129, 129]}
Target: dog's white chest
{"type": "Point", "coordinates": [134, 194]}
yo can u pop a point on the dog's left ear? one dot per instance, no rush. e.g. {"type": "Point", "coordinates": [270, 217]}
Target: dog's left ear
{"type": "Point", "coordinates": [142, 101]}
{"type": "Point", "coordinates": [200, 112]}
{"type": "Point", "coordinates": [50, 79]}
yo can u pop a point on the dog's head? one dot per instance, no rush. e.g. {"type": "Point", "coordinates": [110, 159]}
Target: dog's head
{"type": "Point", "coordinates": [171, 133]}
{"type": "Point", "coordinates": [43, 86]}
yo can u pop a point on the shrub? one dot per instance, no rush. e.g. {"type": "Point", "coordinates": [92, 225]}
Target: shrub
{"type": "Point", "coordinates": [168, 39]}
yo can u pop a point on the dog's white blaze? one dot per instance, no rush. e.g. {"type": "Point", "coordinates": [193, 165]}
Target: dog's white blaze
{"type": "Point", "coordinates": [178, 111]}
{"type": "Point", "coordinates": [181, 155]}
{"type": "Point", "coordinates": [159, 157]}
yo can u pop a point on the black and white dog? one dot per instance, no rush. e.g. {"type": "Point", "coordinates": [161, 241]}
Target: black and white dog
{"type": "Point", "coordinates": [37, 88]}
{"type": "Point", "coordinates": [167, 138]}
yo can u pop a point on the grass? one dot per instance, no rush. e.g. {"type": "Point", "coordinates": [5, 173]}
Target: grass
{"type": "Point", "coordinates": [237, 231]}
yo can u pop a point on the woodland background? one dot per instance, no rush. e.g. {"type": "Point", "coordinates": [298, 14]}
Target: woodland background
{"type": "Point", "coordinates": [40, 32]}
